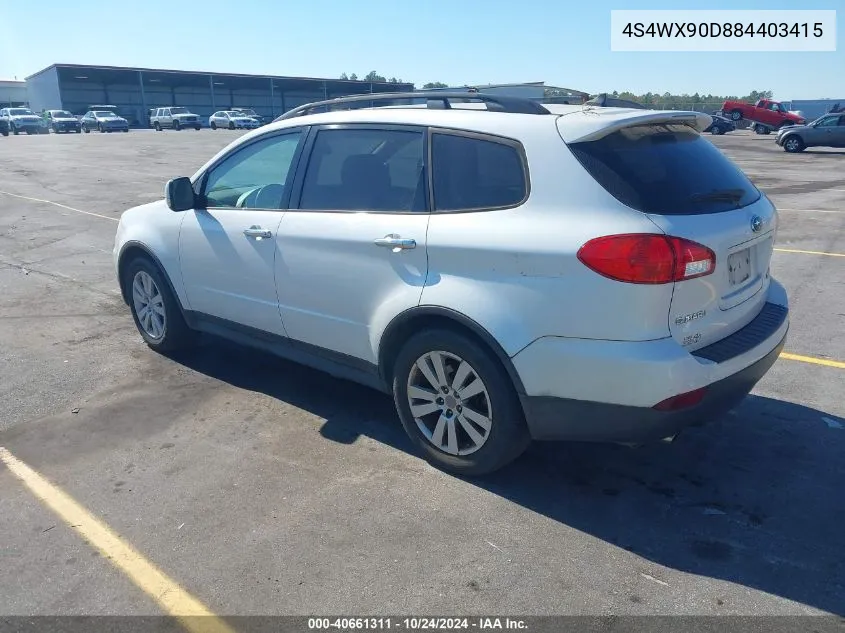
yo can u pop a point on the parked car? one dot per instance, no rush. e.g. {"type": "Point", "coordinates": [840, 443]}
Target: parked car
{"type": "Point", "coordinates": [826, 131]}
{"type": "Point", "coordinates": [618, 290]}
{"type": "Point", "coordinates": [230, 119]}
{"type": "Point", "coordinates": [720, 125]}
{"type": "Point", "coordinates": [22, 120]}
{"type": "Point", "coordinates": [175, 118]}
{"type": "Point", "coordinates": [62, 121]}
{"type": "Point", "coordinates": [103, 121]}
{"type": "Point", "coordinates": [770, 113]}
{"type": "Point", "coordinates": [251, 114]}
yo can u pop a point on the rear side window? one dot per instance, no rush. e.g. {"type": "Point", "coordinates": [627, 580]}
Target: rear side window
{"type": "Point", "coordinates": [365, 170]}
{"type": "Point", "coordinates": [473, 173]}
{"type": "Point", "coordinates": [666, 170]}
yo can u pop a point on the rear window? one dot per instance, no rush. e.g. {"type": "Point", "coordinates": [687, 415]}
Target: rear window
{"type": "Point", "coordinates": [666, 169]}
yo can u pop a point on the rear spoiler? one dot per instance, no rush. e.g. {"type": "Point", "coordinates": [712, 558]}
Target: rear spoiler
{"type": "Point", "coordinates": [590, 124]}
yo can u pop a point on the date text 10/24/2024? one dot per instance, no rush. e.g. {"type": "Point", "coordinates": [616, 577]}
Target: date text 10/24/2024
{"type": "Point", "coordinates": [416, 624]}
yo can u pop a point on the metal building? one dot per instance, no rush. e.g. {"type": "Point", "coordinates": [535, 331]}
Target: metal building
{"type": "Point", "coordinates": [134, 91]}
{"type": "Point", "coordinates": [812, 109]}
{"type": "Point", "coordinates": [12, 93]}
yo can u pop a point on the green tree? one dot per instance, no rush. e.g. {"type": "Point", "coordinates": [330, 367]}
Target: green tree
{"type": "Point", "coordinates": [435, 84]}
{"type": "Point", "coordinates": [374, 76]}
{"type": "Point", "coordinates": [343, 76]}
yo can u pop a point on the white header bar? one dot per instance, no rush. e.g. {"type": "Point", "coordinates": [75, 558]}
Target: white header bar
{"type": "Point", "coordinates": [723, 31]}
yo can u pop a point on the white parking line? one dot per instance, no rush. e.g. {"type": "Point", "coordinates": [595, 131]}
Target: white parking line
{"type": "Point", "coordinates": [63, 206]}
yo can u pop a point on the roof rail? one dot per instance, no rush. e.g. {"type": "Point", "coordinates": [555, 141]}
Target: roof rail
{"type": "Point", "coordinates": [435, 99]}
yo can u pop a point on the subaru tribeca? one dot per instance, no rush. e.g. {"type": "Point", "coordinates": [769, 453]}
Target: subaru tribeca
{"type": "Point", "coordinates": [509, 273]}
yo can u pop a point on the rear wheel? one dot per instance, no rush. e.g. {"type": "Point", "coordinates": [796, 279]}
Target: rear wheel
{"type": "Point", "coordinates": [457, 403]}
{"type": "Point", "coordinates": [154, 308]}
{"type": "Point", "coordinates": [157, 126]}
{"type": "Point", "coordinates": [176, 125]}
{"type": "Point", "coordinates": [793, 144]}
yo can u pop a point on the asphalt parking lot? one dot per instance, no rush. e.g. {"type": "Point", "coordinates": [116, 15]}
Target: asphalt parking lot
{"type": "Point", "coordinates": [261, 487]}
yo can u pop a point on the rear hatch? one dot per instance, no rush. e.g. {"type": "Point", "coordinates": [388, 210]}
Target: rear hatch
{"type": "Point", "coordinates": [690, 190]}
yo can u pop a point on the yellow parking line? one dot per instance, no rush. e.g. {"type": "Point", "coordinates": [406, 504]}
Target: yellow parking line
{"type": "Point", "coordinates": [814, 361]}
{"type": "Point", "coordinates": [193, 615]}
{"type": "Point", "coordinates": [795, 250]}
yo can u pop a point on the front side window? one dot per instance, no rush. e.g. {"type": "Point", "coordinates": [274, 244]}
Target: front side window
{"type": "Point", "coordinates": [829, 121]}
{"type": "Point", "coordinates": [474, 173]}
{"type": "Point", "coordinates": [365, 170]}
{"type": "Point", "coordinates": [253, 177]}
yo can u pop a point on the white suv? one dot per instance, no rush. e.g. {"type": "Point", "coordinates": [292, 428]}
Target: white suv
{"type": "Point", "coordinates": [516, 272]}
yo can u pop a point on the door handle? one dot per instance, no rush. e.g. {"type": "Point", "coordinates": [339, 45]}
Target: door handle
{"type": "Point", "coordinates": [257, 232]}
{"type": "Point", "coordinates": [395, 242]}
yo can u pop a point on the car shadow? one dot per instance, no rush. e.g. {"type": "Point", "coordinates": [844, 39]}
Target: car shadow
{"type": "Point", "coordinates": [755, 499]}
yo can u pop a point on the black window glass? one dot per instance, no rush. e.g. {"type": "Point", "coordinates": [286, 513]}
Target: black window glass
{"type": "Point", "coordinates": [471, 173]}
{"type": "Point", "coordinates": [666, 170]}
{"type": "Point", "coordinates": [365, 170]}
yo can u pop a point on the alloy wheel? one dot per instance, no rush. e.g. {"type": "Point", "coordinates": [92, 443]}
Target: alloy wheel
{"type": "Point", "coordinates": [450, 403]}
{"type": "Point", "coordinates": [149, 305]}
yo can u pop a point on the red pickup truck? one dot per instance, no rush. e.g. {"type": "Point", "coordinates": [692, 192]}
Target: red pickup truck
{"type": "Point", "coordinates": [771, 113]}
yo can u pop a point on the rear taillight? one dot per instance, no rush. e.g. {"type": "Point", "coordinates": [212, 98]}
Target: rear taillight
{"type": "Point", "coordinates": [681, 401]}
{"type": "Point", "coordinates": [643, 258]}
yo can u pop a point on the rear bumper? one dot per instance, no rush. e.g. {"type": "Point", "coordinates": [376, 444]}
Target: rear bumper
{"type": "Point", "coordinates": [590, 390]}
{"type": "Point", "coordinates": [552, 418]}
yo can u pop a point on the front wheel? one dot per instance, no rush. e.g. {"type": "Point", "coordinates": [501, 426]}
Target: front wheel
{"type": "Point", "coordinates": [197, 127]}
{"type": "Point", "coordinates": [101, 129]}
{"type": "Point", "coordinates": [85, 129]}
{"type": "Point", "coordinates": [154, 308]}
{"type": "Point", "coordinates": [736, 115]}
{"type": "Point", "coordinates": [231, 126]}
{"type": "Point", "coordinates": [157, 126]}
{"type": "Point", "coordinates": [716, 130]}
{"type": "Point", "coordinates": [14, 129]}
{"type": "Point", "coordinates": [457, 403]}
{"type": "Point", "coordinates": [793, 144]}
{"type": "Point", "coordinates": [176, 125]}
{"type": "Point", "coordinates": [213, 125]}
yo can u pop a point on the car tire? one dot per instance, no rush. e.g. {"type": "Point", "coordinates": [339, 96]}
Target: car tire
{"type": "Point", "coordinates": [162, 325]}
{"type": "Point", "coordinates": [100, 129]}
{"type": "Point", "coordinates": [716, 130]}
{"type": "Point", "coordinates": [197, 127]}
{"type": "Point", "coordinates": [213, 125]}
{"type": "Point", "coordinates": [4, 132]}
{"type": "Point", "coordinates": [85, 129]}
{"type": "Point", "coordinates": [176, 125]}
{"type": "Point", "coordinates": [157, 126]}
{"type": "Point", "coordinates": [13, 129]}
{"type": "Point", "coordinates": [448, 438]}
{"type": "Point", "coordinates": [231, 125]}
{"type": "Point", "coordinates": [793, 144]}
{"type": "Point", "coordinates": [736, 115]}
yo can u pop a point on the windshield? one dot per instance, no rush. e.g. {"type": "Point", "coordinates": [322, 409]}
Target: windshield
{"type": "Point", "coordinates": [19, 111]}
{"type": "Point", "coordinates": [666, 169]}
{"type": "Point", "coordinates": [233, 113]}
{"type": "Point", "coordinates": [62, 114]}
{"type": "Point", "coordinates": [103, 113]}
{"type": "Point", "coordinates": [247, 112]}
{"type": "Point", "coordinates": [178, 110]}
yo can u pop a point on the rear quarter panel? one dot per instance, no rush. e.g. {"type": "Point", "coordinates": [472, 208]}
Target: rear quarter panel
{"type": "Point", "coordinates": [516, 272]}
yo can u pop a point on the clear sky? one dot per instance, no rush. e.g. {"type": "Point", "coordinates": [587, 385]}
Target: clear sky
{"type": "Point", "coordinates": [561, 42]}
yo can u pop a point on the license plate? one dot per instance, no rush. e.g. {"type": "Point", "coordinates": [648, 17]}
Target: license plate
{"type": "Point", "coordinates": [739, 266]}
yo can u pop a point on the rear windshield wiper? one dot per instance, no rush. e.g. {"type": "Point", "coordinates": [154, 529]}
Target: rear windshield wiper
{"type": "Point", "coordinates": [722, 195]}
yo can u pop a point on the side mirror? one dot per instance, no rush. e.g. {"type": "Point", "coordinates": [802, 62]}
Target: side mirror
{"type": "Point", "coordinates": [179, 193]}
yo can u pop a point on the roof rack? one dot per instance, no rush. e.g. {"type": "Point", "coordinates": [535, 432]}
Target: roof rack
{"type": "Point", "coordinates": [435, 100]}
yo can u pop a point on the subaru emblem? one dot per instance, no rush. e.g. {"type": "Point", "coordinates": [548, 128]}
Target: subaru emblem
{"type": "Point", "coordinates": [756, 223]}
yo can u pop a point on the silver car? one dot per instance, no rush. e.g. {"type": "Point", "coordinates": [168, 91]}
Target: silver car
{"type": "Point", "coordinates": [826, 131]}
{"type": "Point", "coordinates": [23, 120]}
{"type": "Point", "coordinates": [232, 120]}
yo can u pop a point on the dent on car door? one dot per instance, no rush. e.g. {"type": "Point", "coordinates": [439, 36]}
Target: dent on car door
{"type": "Point", "coordinates": [352, 250]}
{"type": "Point", "coordinates": [228, 247]}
